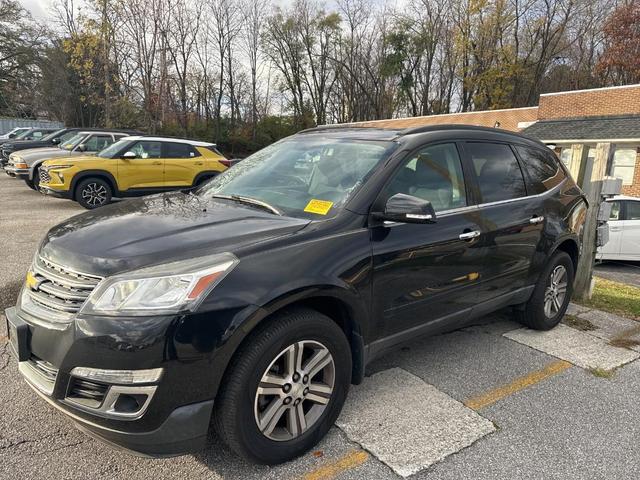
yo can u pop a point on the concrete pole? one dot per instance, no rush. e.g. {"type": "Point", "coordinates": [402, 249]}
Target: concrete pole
{"type": "Point", "coordinates": [593, 172]}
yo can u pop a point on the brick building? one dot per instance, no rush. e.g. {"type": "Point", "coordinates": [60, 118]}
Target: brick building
{"type": "Point", "coordinates": [561, 120]}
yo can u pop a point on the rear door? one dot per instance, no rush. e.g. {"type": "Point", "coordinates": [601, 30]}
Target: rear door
{"type": "Point", "coordinates": [511, 222]}
{"type": "Point", "coordinates": [630, 242]}
{"type": "Point", "coordinates": [427, 272]}
{"type": "Point", "coordinates": [182, 163]}
{"type": "Point", "coordinates": [144, 171]}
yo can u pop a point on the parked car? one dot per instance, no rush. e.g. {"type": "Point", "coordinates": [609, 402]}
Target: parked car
{"type": "Point", "coordinates": [25, 164]}
{"type": "Point", "coordinates": [133, 166]}
{"type": "Point", "coordinates": [34, 137]}
{"type": "Point", "coordinates": [624, 230]}
{"type": "Point", "coordinates": [14, 133]}
{"type": "Point", "coordinates": [260, 296]}
{"type": "Point", "coordinates": [56, 137]}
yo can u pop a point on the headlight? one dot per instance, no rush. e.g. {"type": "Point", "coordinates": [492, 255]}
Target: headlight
{"type": "Point", "coordinates": [56, 167]}
{"type": "Point", "coordinates": [163, 289]}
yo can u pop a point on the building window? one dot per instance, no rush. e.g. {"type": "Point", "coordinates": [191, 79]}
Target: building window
{"type": "Point", "coordinates": [624, 164]}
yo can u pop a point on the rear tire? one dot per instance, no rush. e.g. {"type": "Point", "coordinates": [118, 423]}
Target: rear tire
{"type": "Point", "coordinates": [93, 193]}
{"type": "Point", "coordinates": [273, 405]}
{"type": "Point", "coordinates": [551, 296]}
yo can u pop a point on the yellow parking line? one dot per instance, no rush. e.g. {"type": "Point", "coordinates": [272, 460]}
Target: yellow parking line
{"type": "Point", "coordinates": [488, 398]}
{"type": "Point", "coordinates": [353, 459]}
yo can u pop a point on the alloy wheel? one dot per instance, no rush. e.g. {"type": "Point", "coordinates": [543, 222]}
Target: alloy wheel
{"type": "Point", "coordinates": [555, 292]}
{"type": "Point", "coordinates": [294, 390]}
{"type": "Point", "coordinates": [94, 194]}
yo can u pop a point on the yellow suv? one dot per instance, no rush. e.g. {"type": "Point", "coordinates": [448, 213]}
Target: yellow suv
{"type": "Point", "coordinates": [130, 167]}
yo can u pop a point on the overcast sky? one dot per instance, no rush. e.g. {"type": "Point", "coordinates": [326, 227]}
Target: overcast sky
{"type": "Point", "coordinates": [38, 8]}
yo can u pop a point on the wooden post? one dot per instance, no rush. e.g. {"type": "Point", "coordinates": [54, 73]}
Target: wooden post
{"type": "Point", "coordinates": [593, 172]}
{"type": "Point", "coordinates": [579, 153]}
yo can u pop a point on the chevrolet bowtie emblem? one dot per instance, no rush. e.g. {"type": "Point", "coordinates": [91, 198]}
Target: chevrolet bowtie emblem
{"type": "Point", "coordinates": [32, 282]}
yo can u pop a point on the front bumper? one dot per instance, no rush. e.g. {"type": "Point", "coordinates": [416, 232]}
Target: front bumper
{"type": "Point", "coordinates": [175, 420]}
{"type": "Point", "coordinates": [16, 172]}
{"type": "Point", "coordinates": [55, 193]}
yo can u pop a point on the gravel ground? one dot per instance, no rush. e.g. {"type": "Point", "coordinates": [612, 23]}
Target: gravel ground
{"type": "Point", "coordinates": [572, 425]}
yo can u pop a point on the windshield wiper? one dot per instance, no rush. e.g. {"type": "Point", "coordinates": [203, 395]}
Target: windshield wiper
{"type": "Point", "coordinates": [250, 201]}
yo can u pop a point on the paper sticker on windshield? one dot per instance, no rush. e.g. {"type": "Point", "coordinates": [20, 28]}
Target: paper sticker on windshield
{"type": "Point", "coordinates": [321, 207]}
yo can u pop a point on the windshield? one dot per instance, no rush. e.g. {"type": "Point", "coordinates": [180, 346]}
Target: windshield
{"type": "Point", "coordinates": [21, 134]}
{"type": "Point", "coordinates": [305, 176]}
{"type": "Point", "coordinates": [73, 141]}
{"type": "Point", "coordinates": [114, 148]}
{"type": "Point", "coordinates": [53, 135]}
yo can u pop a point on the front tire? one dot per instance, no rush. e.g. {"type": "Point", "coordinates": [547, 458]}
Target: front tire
{"type": "Point", "coordinates": [284, 388]}
{"type": "Point", "coordinates": [551, 296]}
{"type": "Point", "coordinates": [93, 193]}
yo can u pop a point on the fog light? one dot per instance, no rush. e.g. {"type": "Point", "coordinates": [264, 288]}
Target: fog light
{"type": "Point", "coordinates": [128, 403]}
{"type": "Point", "coordinates": [119, 377]}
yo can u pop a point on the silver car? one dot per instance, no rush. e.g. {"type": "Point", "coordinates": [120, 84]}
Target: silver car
{"type": "Point", "coordinates": [24, 164]}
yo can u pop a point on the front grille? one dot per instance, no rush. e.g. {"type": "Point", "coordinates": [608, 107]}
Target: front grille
{"type": "Point", "coordinates": [44, 176]}
{"type": "Point", "coordinates": [58, 288]}
{"type": "Point", "coordinates": [86, 392]}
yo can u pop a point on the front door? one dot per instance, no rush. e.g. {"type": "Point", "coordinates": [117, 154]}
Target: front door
{"type": "Point", "coordinates": [144, 171]}
{"type": "Point", "coordinates": [427, 272]}
{"type": "Point", "coordinates": [611, 249]}
{"type": "Point", "coordinates": [630, 242]}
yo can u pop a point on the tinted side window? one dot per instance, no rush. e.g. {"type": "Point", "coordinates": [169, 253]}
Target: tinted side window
{"type": "Point", "coordinates": [179, 150]}
{"type": "Point", "coordinates": [498, 172]}
{"type": "Point", "coordinates": [633, 211]}
{"type": "Point", "coordinates": [542, 171]}
{"type": "Point", "coordinates": [147, 149]}
{"type": "Point", "coordinates": [434, 174]}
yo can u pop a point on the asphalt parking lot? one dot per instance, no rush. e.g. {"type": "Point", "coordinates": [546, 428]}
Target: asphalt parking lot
{"type": "Point", "coordinates": [489, 401]}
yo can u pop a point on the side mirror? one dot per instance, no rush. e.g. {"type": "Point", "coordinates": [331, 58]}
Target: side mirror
{"type": "Point", "coordinates": [82, 147]}
{"type": "Point", "coordinates": [128, 155]}
{"type": "Point", "coordinates": [408, 209]}
{"type": "Point", "coordinates": [55, 141]}
{"type": "Point", "coordinates": [11, 135]}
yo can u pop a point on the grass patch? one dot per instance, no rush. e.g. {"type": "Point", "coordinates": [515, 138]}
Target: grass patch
{"type": "Point", "coordinates": [578, 323]}
{"type": "Point", "coordinates": [614, 297]}
{"type": "Point", "coordinates": [601, 372]}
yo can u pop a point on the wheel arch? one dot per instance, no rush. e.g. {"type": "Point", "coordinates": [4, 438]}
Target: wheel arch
{"type": "Point", "coordinates": [33, 168]}
{"type": "Point", "coordinates": [203, 176]}
{"type": "Point", "coordinates": [570, 246]}
{"type": "Point", "coordinates": [328, 302]}
{"type": "Point", "coordinates": [102, 174]}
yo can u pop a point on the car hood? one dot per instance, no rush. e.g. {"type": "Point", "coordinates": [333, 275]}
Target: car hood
{"type": "Point", "coordinates": [23, 144]}
{"type": "Point", "coordinates": [159, 229]}
{"type": "Point", "coordinates": [32, 155]}
{"type": "Point", "coordinates": [73, 157]}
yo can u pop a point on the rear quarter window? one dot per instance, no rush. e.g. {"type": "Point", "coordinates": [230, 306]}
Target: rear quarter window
{"type": "Point", "coordinates": [541, 169]}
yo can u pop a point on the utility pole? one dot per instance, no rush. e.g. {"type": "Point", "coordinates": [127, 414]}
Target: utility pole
{"type": "Point", "coordinates": [591, 174]}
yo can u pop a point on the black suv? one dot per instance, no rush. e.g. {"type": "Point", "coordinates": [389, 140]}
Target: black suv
{"type": "Point", "coordinates": [258, 298]}
{"type": "Point", "coordinates": [55, 137]}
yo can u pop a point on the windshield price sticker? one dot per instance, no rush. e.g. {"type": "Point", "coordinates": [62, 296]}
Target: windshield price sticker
{"type": "Point", "coordinates": [321, 207]}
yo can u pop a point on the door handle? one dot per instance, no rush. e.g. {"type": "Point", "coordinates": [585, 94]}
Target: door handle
{"type": "Point", "coordinates": [199, 163]}
{"type": "Point", "coordinates": [536, 220]}
{"type": "Point", "coordinates": [156, 163]}
{"type": "Point", "coordinates": [469, 235]}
